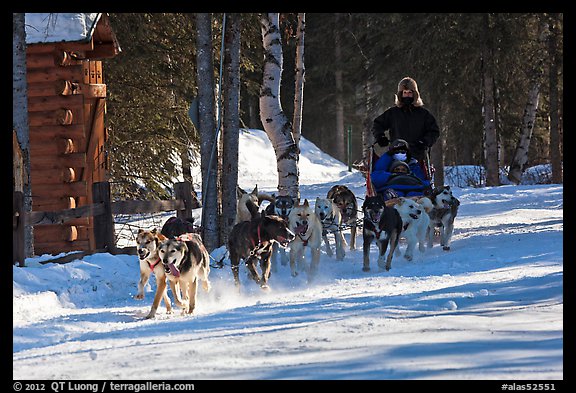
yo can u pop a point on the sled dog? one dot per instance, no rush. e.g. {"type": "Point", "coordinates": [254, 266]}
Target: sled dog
{"type": "Point", "coordinates": [331, 219]}
{"type": "Point", "coordinates": [248, 204]}
{"type": "Point", "coordinates": [415, 222]}
{"type": "Point", "coordinates": [442, 215]}
{"type": "Point", "coordinates": [306, 225]}
{"type": "Point", "coordinates": [383, 225]}
{"type": "Point", "coordinates": [346, 201]}
{"type": "Point", "coordinates": [252, 240]}
{"type": "Point", "coordinates": [176, 226]}
{"type": "Point", "coordinates": [147, 244]}
{"type": "Point", "coordinates": [185, 261]}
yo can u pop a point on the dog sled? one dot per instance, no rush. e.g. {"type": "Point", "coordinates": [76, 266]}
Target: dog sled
{"type": "Point", "coordinates": [407, 184]}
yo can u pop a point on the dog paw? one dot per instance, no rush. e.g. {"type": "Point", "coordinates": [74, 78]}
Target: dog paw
{"type": "Point", "coordinates": [408, 257]}
{"type": "Point", "coordinates": [446, 248]}
{"type": "Point", "coordinates": [150, 315]}
{"type": "Point", "coordinates": [139, 296]}
{"type": "Point", "coordinates": [365, 268]}
{"type": "Point", "coordinates": [294, 274]}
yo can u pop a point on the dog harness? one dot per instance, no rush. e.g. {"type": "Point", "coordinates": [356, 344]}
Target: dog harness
{"type": "Point", "coordinates": [152, 266]}
{"type": "Point", "coordinates": [327, 223]}
{"type": "Point", "coordinates": [257, 248]}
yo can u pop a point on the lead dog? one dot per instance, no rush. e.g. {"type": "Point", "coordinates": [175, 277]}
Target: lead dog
{"type": "Point", "coordinates": [331, 219]}
{"type": "Point", "coordinates": [252, 240]}
{"type": "Point", "coordinates": [307, 227]}
{"type": "Point", "coordinates": [415, 222]}
{"type": "Point", "coordinates": [185, 261]}
{"type": "Point", "coordinates": [147, 244]}
{"type": "Point", "coordinates": [442, 215]}
{"type": "Point", "coordinates": [383, 225]}
{"type": "Point", "coordinates": [346, 201]}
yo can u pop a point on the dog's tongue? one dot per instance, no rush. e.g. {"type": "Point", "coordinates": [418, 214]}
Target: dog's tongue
{"type": "Point", "coordinates": [174, 270]}
{"type": "Point", "coordinates": [301, 229]}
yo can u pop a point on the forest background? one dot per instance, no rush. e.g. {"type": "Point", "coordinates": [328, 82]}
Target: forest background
{"type": "Point", "coordinates": [353, 64]}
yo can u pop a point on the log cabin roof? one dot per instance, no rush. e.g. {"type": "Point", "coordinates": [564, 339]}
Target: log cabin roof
{"type": "Point", "coordinates": [81, 28]}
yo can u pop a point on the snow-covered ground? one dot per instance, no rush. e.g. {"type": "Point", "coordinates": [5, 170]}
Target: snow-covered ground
{"type": "Point", "coordinates": [491, 308]}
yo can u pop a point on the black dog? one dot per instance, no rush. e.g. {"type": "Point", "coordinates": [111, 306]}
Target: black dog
{"type": "Point", "coordinates": [382, 224]}
{"type": "Point", "coordinates": [176, 226]}
{"type": "Point", "coordinates": [252, 240]}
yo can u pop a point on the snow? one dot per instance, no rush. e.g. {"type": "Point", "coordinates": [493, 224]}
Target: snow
{"type": "Point", "coordinates": [491, 308]}
{"type": "Point", "coordinates": [57, 27]}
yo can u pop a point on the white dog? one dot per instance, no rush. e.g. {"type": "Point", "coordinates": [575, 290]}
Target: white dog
{"type": "Point", "coordinates": [415, 222]}
{"type": "Point", "coordinates": [306, 225]}
{"type": "Point", "coordinates": [331, 218]}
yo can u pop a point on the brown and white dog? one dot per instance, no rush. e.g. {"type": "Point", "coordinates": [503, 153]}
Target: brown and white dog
{"type": "Point", "coordinates": [307, 227]}
{"type": "Point", "coordinates": [147, 245]}
{"type": "Point", "coordinates": [346, 201]}
{"type": "Point", "coordinates": [185, 261]}
{"type": "Point", "coordinates": [252, 241]}
{"type": "Point", "coordinates": [443, 211]}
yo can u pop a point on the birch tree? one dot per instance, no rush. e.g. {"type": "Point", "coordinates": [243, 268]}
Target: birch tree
{"type": "Point", "coordinates": [20, 118]}
{"type": "Point", "coordinates": [207, 129]}
{"type": "Point", "coordinates": [275, 122]}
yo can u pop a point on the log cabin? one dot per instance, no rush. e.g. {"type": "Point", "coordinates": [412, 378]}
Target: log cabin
{"type": "Point", "coordinates": [66, 109]}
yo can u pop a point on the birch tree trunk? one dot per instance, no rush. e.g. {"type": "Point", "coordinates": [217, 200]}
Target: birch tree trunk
{"type": "Point", "coordinates": [489, 112]}
{"type": "Point", "coordinates": [275, 122]}
{"type": "Point", "coordinates": [207, 129]}
{"type": "Point", "coordinates": [231, 124]}
{"type": "Point", "coordinates": [300, 72]}
{"type": "Point", "coordinates": [20, 119]}
{"type": "Point", "coordinates": [555, 135]}
{"type": "Point", "coordinates": [340, 132]}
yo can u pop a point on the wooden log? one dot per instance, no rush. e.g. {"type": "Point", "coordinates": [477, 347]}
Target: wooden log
{"type": "Point", "coordinates": [51, 204]}
{"type": "Point", "coordinates": [57, 147]}
{"type": "Point", "coordinates": [133, 207]}
{"type": "Point", "coordinates": [72, 160]}
{"type": "Point", "coordinates": [53, 176]}
{"type": "Point", "coordinates": [71, 73]}
{"type": "Point", "coordinates": [50, 59]}
{"type": "Point", "coordinates": [54, 103]}
{"type": "Point", "coordinates": [46, 134]}
{"type": "Point", "coordinates": [58, 247]}
{"type": "Point", "coordinates": [75, 189]}
{"type": "Point", "coordinates": [64, 216]}
{"type": "Point", "coordinates": [56, 233]}
{"type": "Point", "coordinates": [60, 116]}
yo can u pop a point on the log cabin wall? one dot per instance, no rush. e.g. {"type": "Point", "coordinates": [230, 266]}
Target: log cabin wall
{"type": "Point", "coordinates": [66, 103]}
